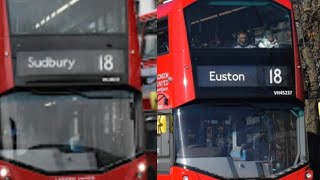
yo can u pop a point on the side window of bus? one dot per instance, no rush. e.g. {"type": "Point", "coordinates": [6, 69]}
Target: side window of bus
{"type": "Point", "coordinates": [163, 42]}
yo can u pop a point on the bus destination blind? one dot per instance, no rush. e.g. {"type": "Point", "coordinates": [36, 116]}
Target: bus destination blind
{"type": "Point", "coordinates": [73, 62]}
{"type": "Point", "coordinates": [243, 76]}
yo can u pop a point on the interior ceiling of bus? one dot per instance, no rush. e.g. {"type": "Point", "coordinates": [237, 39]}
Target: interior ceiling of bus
{"type": "Point", "coordinates": [218, 15]}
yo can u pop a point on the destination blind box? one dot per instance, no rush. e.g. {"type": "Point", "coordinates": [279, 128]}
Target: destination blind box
{"type": "Point", "coordinates": [104, 66]}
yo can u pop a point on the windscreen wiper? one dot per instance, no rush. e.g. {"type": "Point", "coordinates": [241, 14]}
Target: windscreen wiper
{"type": "Point", "coordinates": [117, 163]}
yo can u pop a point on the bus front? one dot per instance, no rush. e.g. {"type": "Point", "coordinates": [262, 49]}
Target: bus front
{"type": "Point", "coordinates": [70, 103]}
{"type": "Point", "coordinates": [230, 92]}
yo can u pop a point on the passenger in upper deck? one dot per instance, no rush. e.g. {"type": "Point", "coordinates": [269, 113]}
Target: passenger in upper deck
{"type": "Point", "coordinates": [243, 41]}
{"type": "Point", "coordinates": [196, 42]}
{"type": "Point", "coordinates": [269, 41]}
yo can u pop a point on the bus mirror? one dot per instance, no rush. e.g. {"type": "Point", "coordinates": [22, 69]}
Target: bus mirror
{"type": "Point", "coordinates": [153, 101]}
{"type": "Point", "coordinates": [161, 124]}
{"type": "Point", "coordinates": [171, 124]}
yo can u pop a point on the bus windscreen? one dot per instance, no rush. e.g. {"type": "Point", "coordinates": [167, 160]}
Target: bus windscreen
{"type": "Point", "coordinates": [67, 131]}
{"type": "Point", "coordinates": [256, 140]}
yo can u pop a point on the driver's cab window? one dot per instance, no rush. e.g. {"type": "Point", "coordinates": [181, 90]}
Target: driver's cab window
{"type": "Point", "coordinates": [150, 132]}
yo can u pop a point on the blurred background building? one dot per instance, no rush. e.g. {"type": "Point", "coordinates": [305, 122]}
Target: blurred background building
{"type": "Point", "coordinates": [147, 6]}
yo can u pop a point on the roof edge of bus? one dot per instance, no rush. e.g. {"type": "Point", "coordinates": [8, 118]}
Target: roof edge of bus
{"type": "Point", "coordinates": [286, 3]}
{"type": "Point", "coordinates": [148, 16]}
{"type": "Point", "coordinates": [163, 9]}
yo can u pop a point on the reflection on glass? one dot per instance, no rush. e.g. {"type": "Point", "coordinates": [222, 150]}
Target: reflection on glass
{"type": "Point", "coordinates": [79, 131]}
{"type": "Point", "coordinates": [221, 139]}
{"type": "Point", "coordinates": [150, 47]}
{"type": "Point", "coordinates": [67, 16]}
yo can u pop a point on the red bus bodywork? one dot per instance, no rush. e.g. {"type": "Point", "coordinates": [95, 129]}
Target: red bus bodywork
{"type": "Point", "coordinates": [175, 68]}
{"type": "Point", "coordinates": [126, 171]}
{"type": "Point", "coordinates": [129, 169]}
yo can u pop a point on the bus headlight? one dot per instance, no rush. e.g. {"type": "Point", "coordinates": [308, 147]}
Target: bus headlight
{"type": "Point", "coordinates": [185, 178]}
{"type": "Point", "coordinates": [5, 174]}
{"type": "Point", "coordinates": [141, 169]}
{"type": "Point", "coordinates": [309, 175]}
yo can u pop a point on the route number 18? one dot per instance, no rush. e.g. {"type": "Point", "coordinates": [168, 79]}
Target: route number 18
{"type": "Point", "coordinates": [106, 62]}
{"type": "Point", "coordinates": [275, 76]}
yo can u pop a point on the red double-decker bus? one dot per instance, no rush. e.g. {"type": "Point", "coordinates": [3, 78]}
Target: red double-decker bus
{"type": "Point", "coordinates": [230, 91]}
{"type": "Point", "coordinates": [71, 103]}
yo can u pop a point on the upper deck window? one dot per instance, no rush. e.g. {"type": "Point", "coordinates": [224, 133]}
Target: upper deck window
{"type": "Point", "coordinates": [238, 24]}
{"type": "Point", "coordinates": [163, 43]}
{"type": "Point", "coordinates": [67, 16]}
